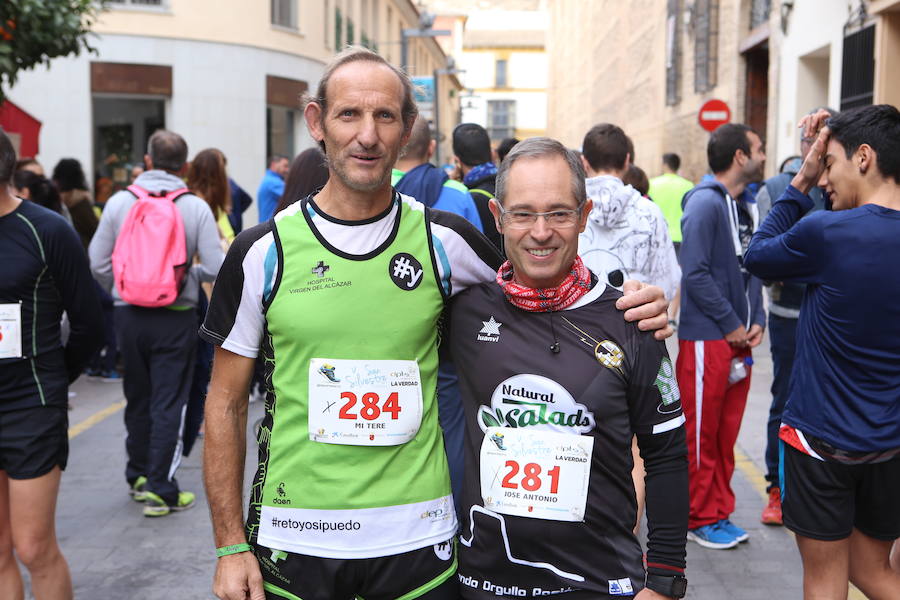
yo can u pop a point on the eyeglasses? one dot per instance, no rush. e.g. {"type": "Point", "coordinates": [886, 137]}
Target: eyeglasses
{"type": "Point", "coordinates": [523, 219]}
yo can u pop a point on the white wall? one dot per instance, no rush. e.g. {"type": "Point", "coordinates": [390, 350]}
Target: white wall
{"type": "Point", "coordinates": [815, 37]}
{"type": "Point", "coordinates": [218, 99]}
{"type": "Point", "coordinates": [528, 70]}
{"type": "Point", "coordinates": [526, 79]}
{"type": "Point", "coordinates": [478, 69]}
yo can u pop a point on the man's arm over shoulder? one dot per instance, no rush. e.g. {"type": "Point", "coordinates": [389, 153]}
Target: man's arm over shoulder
{"type": "Point", "coordinates": [786, 246]}
{"type": "Point", "coordinates": [699, 227]}
{"type": "Point", "coordinates": [657, 421]}
{"type": "Point", "coordinates": [463, 255]}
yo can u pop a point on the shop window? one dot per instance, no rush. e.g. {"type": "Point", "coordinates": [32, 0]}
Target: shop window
{"type": "Point", "coordinates": [122, 128]}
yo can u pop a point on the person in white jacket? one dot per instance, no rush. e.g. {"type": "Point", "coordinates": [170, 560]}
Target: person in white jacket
{"type": "Point", "coordinates": [626, 235]}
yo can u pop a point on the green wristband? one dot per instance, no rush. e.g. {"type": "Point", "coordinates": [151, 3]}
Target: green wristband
{"type": "Point", "coordinates": [233, 549]}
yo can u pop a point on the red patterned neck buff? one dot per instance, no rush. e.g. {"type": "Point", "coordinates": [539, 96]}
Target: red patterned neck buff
{"type": "Point", "coordinates": [576, 284]}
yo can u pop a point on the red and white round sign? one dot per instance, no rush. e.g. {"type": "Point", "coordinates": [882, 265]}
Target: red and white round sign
{"type": "Point", "coordinates": [714, 113]}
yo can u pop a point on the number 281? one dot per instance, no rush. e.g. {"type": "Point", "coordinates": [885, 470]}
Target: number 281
{"type": "Point", "coordinates": [531, 477]}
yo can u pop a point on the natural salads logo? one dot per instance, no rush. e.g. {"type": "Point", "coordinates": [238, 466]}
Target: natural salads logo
{"type": "Point", "coordinates": [535, 401]}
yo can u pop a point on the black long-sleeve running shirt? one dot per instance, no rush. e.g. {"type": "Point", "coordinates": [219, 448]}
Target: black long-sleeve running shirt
{"type": "Point", "coordinates": [526, 530]}
{"type": "Point", "coordinates": [44, 270]}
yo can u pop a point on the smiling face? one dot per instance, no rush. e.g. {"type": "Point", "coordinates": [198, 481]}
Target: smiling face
{"type": "Point", "coordinates": [753, 168]}
{"type": "Point", "coordinates": [541, 255]}
{"type": "Point", "coordinates": [362, 126]}
{"type": "Point", "coordinates": [841, 177]}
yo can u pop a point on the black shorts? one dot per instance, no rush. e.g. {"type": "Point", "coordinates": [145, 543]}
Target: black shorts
{"type": "Point", "coordinates": [427, 574]}
{"type": "Point", "coordinates": [33, 441]}
{"type": "Point", "coordinates": [827, 500]}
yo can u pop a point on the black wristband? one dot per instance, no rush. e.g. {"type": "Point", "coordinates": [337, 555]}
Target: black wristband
{"type": "Point", "coordinates": [674, 586]}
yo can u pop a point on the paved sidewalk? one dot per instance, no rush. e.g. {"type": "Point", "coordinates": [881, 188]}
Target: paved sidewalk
{"type": "Point", "coordinates": [115, 553]}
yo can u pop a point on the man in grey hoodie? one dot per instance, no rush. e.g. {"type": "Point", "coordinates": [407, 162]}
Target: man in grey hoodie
{"type": "Point", "coordinates": [157, 344]}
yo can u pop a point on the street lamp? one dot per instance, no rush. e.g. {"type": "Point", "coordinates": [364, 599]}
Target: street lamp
{"type": "Point", "coordinates": [426, 20]}
{"type": "Point", "coordinates": [450, 69]}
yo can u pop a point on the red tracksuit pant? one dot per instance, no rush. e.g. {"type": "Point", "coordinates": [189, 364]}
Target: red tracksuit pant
{"type": "Point", "coordinates": [713, 409]}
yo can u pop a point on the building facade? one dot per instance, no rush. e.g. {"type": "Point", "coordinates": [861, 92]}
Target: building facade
{"type": "Point", "coordinates": [499, 47]}
{"type": "Point", "coordinates": [223, 73]}
{"type": "Point", "coordinates": [505, 65]}
{"type": "Point", "coordinates": [649, 66]}
{"type": "Point", "coordinates": [847, 59]}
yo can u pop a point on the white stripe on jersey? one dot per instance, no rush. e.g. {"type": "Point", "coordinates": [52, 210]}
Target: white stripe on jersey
{"type": "Point", "coordinates": [669, 425]}
{"type": "Point", "coordinates": [698, 394]}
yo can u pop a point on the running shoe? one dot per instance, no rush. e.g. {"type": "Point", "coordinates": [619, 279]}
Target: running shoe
{"type": "Point", "coordinates": [712, 536]}
{"type": "Point", "coordinates": [137, 490]}
{"type": "Point", "coordinates": [739, 534]}
{"type": "Point", "coordinates": [328, 371]}
{"type": "Point", "coordinates": [771, 514]}
{"type": "Point", "coordinates": [154, 506]}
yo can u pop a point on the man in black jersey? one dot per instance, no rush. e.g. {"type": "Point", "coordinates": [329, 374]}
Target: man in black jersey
{"type": "Point", "coordinates": [44, 272]}
{"type": "Point", "coordinates": [554, 384]}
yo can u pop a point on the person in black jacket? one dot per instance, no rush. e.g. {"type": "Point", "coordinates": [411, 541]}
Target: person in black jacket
{"type": "Point", "coordinates": [472, 155]}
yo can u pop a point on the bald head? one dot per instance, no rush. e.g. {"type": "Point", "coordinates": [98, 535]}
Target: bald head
{"type": "Point", "coordinates": [419, 145]}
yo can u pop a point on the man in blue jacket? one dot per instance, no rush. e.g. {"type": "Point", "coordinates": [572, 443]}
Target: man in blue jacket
{"type": "Point", "coordinates": [840, 433]}
{"type": "Point", "coordinates": [272, 186]}
{"type": "Point", "coordinates": [722, 318]}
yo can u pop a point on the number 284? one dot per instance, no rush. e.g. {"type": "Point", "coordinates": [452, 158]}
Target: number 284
{"type": "Point", "coordinates": [531, 477]}
{"type": "Point", "coordinates": [370, 406]}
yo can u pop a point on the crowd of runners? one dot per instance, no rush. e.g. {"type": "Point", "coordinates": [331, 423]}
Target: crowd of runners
{"type": "Point", "coordinates": [467, 391]}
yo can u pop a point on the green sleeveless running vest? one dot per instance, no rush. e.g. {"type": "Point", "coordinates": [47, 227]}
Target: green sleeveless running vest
{"type": "Point", "coordinates": [346, 500]}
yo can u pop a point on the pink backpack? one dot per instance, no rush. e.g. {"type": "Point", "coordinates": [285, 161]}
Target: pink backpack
{"type": "Point", "coordinates": [150, 259]}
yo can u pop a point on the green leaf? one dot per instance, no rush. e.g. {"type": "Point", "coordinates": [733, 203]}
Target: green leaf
{"type": "Point", "coordinates": [487, 418]}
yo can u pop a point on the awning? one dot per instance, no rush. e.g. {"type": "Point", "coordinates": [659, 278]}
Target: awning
{"type": "Point", "coordinates": [23, 129]}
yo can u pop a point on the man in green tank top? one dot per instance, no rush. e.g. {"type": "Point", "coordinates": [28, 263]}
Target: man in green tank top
{"type": "Point", "coordinates": [341, 295]}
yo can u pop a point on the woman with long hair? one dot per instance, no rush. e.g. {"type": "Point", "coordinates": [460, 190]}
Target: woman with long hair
{"type": "Point", "coordinates": [69, 179]}
{"type": "Point", "coordinates": [38, 189]}
{"type": "Point", "coordinates": [308, 173]}
{"type": "Point", "coordinates": [208, 179]}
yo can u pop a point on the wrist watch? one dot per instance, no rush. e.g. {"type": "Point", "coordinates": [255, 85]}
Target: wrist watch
{"type": "Point", "coordinates": [674, 586]}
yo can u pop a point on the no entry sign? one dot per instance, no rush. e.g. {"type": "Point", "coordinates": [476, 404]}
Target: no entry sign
{"type": "Point", "coordinates": [713, 114]}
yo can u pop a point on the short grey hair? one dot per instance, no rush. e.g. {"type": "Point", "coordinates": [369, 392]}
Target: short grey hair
{"type": "Point", "coordinates": [541, 147]}
{"type": "Point", "coordinates": [168, 151]}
